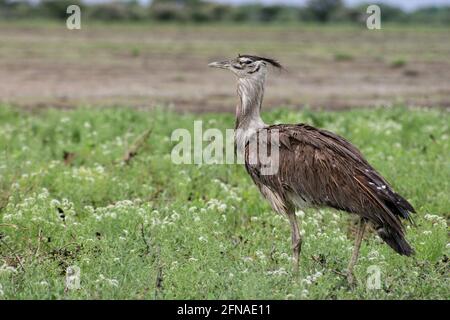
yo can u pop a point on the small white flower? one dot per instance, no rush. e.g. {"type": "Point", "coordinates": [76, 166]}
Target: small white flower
{"type": "Point", "coordinates": [260, 255]}
{"type": "Point", "coordinates": [55, 203]}
{"type": "Point", "coordinates": [111, 282]}
{"type": "Point", "coordinates": [278, 272]}
{"type": "Point", "coordinates": [300, 214]}
{"type": "Point", "coordinates": [192, 209]}
{"type": "Point", "coordinates": [7, 269]}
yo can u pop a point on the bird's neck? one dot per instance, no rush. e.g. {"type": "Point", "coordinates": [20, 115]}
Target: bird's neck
{"type": "Point", "coordinates": [251, 93]}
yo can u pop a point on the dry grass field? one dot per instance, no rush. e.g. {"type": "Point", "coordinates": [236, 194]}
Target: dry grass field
{"type": "Point", "coordinates": [330, 67]}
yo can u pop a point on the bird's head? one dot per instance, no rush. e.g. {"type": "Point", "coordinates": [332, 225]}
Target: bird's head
{"type": "Point", "coordinates": [247, 66]}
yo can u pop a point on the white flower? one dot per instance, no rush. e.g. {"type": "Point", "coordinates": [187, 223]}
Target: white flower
{"type": "Point", "coordinates": [285, 256]}
{"type": "Point", "coordinates": [312, 278]}
{"type": "Point", "coordinates": [43, 195]}
{"type": "Point", "coordinates": [435, 219]}
{"type": "Point", "coordinates": [260, 255]}
{"type": "Point", "coordinates": [202, 239]}
{"type": "Point", "coordinates": [55, 203]}
{"type": "Point", "coordinates": [111, 282]}
{"type": "Point", "coordinates": [7, 269]}
{"type": "Point", "coordinates": [192, 209]}
{"type": "Point", "coordinates": [222, 208]}
{"type": "Point", "coordinates": [278, 272]}
{"type": "Point", "coordinates": [300, 214]}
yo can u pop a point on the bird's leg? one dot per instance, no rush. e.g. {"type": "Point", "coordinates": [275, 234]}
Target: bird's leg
{"type": "Point", "coordinates": [296, 240]}
{"type": "Point", "coordinates": [355, 254]}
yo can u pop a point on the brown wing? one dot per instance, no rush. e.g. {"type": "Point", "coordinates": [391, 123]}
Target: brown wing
{"type": "Point", "coordinates": [324, 169]}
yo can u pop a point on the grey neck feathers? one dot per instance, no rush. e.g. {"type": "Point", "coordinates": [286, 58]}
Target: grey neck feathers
{"type": "Point", "coordinates": [251, 93]}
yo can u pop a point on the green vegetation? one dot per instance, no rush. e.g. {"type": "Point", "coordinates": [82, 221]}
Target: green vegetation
{"type": "Point", "coordinates": [398, 63]}
{"type": "Point", "coordinates": [199, 11]}
{"type": "Point", "coordinates": [343, 56]}
{"type": "Point", "coordinates": [151, 229]}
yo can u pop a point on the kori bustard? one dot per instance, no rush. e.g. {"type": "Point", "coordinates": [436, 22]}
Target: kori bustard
{"type": "Point", "coordinates": [316, 168]}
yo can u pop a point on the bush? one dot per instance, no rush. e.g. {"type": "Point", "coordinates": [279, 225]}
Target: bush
{"type": "Point", "coordinates": [439, 15]}
{"type": "Point", "coordinates": [167, 12]}
{"type": "Point", "coordinates": [203, 11]}
{"type": "Point", "coordinates": [110, 12]}
{"type": "Point", "coordinates": [323, 10]}
{"type": "Point", "coordinates": [56, 9]}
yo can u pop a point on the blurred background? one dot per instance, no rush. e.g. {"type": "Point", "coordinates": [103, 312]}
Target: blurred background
{"type": "Point", "coordinates": [153, 53]}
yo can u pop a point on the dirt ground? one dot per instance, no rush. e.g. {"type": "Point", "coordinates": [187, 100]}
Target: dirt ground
{"type": "Point", "coordinates": [44, 65]}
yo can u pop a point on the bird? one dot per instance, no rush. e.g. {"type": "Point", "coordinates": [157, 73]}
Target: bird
{"type": "Point", "coordinates": [315, 168]}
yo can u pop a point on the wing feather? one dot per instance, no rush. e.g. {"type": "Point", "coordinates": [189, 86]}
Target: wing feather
{"type": "Point", "coordinates": [327, 170]}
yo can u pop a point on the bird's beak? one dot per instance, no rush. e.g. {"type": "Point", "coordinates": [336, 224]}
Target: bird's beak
{"type": "Point", "coordinates": [220, 65]}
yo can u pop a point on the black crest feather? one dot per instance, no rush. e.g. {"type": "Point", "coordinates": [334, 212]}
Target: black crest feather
{"type": "Point", "coordinates": [273, 62]}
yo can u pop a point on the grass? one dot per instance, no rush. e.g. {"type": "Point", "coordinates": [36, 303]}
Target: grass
{"type": "Point", "coordinates": [398, 63]}
{"type": "Point", "coordinates": [100, 41]}
{"type": "Point", "coordinates": [342, 56]}
{"type": "Point", "coordinates": [151, 229]}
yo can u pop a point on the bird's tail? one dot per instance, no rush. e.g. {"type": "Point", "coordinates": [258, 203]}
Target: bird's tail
{"type": "Point", "coordinates": [395, 240]}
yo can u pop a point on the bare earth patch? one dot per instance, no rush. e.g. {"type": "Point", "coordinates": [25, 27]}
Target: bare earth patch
{"type": "Point", "coordinates": [44, 65]}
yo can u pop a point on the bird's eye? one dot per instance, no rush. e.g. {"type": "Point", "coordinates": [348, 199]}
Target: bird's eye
{"type": "Point", "coordinates": [246, 62]}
